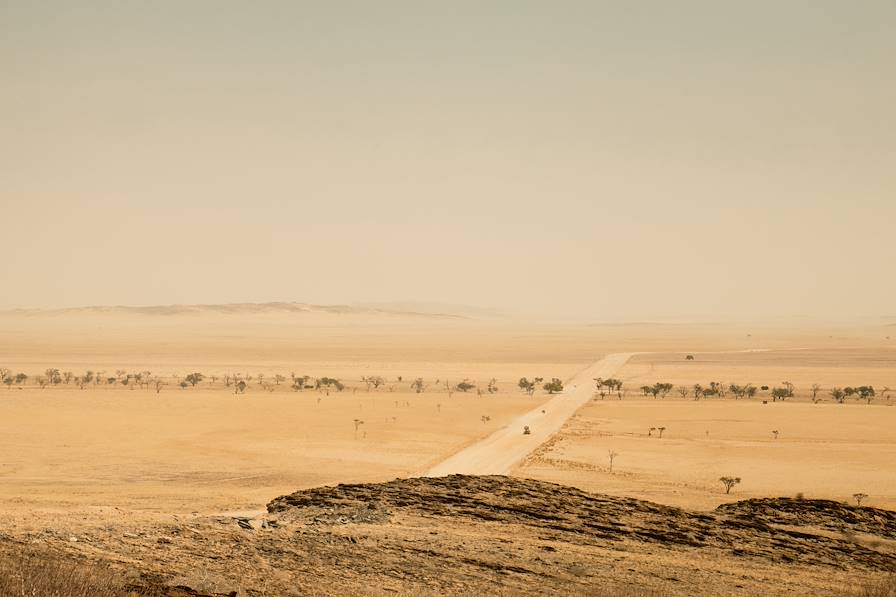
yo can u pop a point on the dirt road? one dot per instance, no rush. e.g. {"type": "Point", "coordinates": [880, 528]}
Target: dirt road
{"type": "Point", "coordinates": [500, 451]}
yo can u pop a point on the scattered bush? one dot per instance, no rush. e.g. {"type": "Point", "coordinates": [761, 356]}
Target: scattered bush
{"type": "Point", "coordinates": [465, 386]}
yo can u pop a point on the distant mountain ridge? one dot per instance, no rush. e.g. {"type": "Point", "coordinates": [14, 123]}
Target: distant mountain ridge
{"type": "Point", "coordinates": [238, 308]}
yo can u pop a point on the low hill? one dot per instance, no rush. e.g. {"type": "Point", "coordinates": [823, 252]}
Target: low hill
{"type": "Point", "coordinates": [238, 309]}
{"type": "Point", "coordinates": [491, 535]}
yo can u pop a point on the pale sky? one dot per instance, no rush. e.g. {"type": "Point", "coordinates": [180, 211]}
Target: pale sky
{"type": "Point", "coordinates": [603, 160]}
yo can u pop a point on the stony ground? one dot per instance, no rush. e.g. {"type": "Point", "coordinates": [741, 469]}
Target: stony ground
{"type": "Point", "coordinates": [469, 535]}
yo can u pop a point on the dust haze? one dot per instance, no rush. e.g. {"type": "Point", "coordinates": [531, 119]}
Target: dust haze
{"type": "Point", "coordinates": [306, 298]}
{"type": "Point", "coordinates": [593, 162]}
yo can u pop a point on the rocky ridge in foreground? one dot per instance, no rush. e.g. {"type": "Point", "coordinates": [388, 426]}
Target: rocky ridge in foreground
{"type": "Point", "coordinates": [495, 535]}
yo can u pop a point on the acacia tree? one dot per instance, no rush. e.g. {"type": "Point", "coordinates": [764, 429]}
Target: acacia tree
{"type": "Point", "coordinates": [328, 382]}
{"type": "Point", "coordinates": [373, 380]}
{"type": "Point", "coordinates": [612, 384]}
{"type": "Point", "coordinates": [54, 377]}
{"type": "Point", "coordinates": [657, 389]}
{"type": "Point", "coordinates": [858, 497]}
{"type": "Point", "coordinates": [617, 386]}
{"type": "Point", "coordinates": [299, 381]}
{"type": "Point", "coordinates": [866, 393]}
{"type": "Point", "coordinates": [838, 394]}
{"type": "Point", "coordinates": [528, 386]}
{"type": "Point", "coordinates": [683, 391]}
{"type": "Point", "coordinates": [194, 378]}
{"type": "Point", "coordinates": [492, 386]}
{"type": "Point", "coordinates": [553, 386]}
{"type": "Point", "coordinates": [781, 393]}
{"type": "Point", "coordinates": [716, 388]}
{"type": "Point", "coordinates": [418, 385]}
{"type": "Point", "coordinates": [699, 391]}
{"type": "Point", "coordinates": [815, 388]}
{"type": "Point", "coordinates": [240, 387]}
{"type": "Point", "coordinates": [358, 423]}
{"type": "Point", "coordinates": [612, 456]}
{"type": "Point", "coordinates": [729, 482]}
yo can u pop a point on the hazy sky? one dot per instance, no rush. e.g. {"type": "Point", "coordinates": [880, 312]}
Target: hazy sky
{"type": "Point", "coordinates": [592, 159]}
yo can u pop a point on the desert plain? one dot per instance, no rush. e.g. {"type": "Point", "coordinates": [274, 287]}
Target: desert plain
{"type": "Point", "coordinates": [85, 465]}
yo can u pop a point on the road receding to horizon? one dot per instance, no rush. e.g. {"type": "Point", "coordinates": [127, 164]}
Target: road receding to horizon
{"type": "Point", "coordinates": [500, 451]}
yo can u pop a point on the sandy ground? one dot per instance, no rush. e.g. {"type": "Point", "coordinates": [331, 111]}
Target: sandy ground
{"type": "Point", "coordinates": [206, 450]}
{"type": "Point", "coordinates": [824, 450]}
{"type": "Point", "coordinates": [498, 453]}
{"type": "Point", "coordinates": [844, 366]}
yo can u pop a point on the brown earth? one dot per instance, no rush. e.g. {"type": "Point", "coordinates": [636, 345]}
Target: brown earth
{"type": "Point", "coordinates": [498, 535]}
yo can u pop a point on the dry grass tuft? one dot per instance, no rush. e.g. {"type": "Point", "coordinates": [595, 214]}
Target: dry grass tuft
{"type": "Point", "coordinates": [31, 573]}
{"type": "Point", "coordinates": [882, 587]}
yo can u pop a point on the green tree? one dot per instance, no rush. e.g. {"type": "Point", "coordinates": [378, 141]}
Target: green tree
{"type": "Point", "coordinates": [194, 378]}
{"type": "Point", "coordinates": [553, 386]}
{"type": "Point", "coordinates": [865, 393]}
{"type": "Point", "coordinates": [527, 385]}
